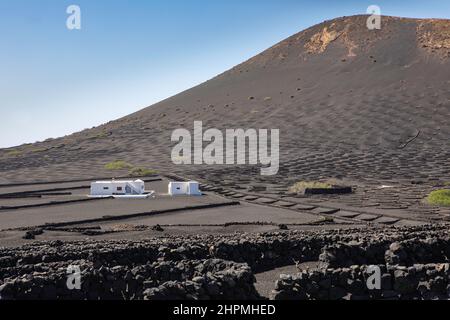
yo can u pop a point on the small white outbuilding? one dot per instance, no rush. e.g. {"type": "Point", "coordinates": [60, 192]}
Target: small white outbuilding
{"type": "Point", "coordinates": [117, 188]}
{"type": "Point", "coordinates": [190, 188]}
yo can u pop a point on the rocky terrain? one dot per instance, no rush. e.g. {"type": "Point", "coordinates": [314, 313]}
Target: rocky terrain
{"type": "Point", "coordinates": [414, 262]}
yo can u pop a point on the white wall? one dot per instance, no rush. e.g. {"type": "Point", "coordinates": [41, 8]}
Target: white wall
{"type": "Point", "coordinates": [184, 188]}
{"type": "Point", "coordinates": [105, 188]}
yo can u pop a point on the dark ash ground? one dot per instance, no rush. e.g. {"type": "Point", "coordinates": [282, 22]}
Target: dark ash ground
{"type": "Point", "coordinates": [370, 109]}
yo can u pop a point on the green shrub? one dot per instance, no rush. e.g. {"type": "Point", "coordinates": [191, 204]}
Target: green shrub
{"type": "Point", "coordinates": [101, 135]}
{"type": "Point", "coordinates": [141, 172]}
{"type": "Point", "coordinates": [118, 165]}
{"type": "Point", "coordinates": [14, 153]}
{"type": "Point", "coordinates": [439, 198]}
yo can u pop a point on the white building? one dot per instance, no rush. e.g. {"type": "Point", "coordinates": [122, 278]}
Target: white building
{"type": "Point", "coordinates": [190, 188]}
{"type": "Point", "coordinates": [117, 188]}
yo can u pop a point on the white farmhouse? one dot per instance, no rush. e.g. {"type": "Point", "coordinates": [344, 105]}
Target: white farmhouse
{"type": "Point", "coordinates": [117, 188]}
{"type": "Point", "coordinates": [190, 188]}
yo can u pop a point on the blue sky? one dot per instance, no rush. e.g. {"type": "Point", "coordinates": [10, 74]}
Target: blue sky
{"type": "Point", "coordinates": [130, 54]}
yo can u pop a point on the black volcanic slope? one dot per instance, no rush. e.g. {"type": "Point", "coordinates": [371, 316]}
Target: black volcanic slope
{"type": "Point", "coordinates": [350, 103]}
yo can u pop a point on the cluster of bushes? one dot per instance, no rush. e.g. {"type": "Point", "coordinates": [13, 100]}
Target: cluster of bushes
{"type": "Point", "coordinates": [132, 170]}
{"type": "Point", "coordinates": [440, 198]}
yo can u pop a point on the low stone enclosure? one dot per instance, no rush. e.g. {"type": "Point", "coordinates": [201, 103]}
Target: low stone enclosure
{"type": "Point", "coordinates": [413, 262]}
